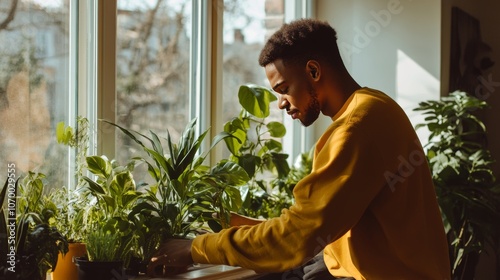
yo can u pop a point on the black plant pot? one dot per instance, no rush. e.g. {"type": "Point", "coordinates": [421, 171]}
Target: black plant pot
{"type": "Point", "coordinates": [93, 270]}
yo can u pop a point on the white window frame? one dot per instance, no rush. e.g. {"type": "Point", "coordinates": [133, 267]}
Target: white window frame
{"type": "Point", "coordinates": [96, 81]}
{"type": "Point", "coordinates": [298, 139]}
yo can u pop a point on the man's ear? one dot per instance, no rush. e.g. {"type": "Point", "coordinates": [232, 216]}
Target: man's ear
{"type": "Point", "coordinates": [314, 69]}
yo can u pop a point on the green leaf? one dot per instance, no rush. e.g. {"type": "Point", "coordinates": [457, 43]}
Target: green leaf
{"type": "Point", "coordinates": [109, 201]}
{"type": "Point", "coordinates": [129, 133]}
{"type": "Point", "coordinates": [124, 182]}
{"type": "Point", "coordinates": [156, 143]}
{"type": "Point", "coordinates": [249, 162]}
{"type": "Point", "coordinates": [219, 137]}
{"type": "Point", "coordinates": [230, 173]}
{"type": "Point", "coordinates": [160, 160]}
{"type": "Point", "coordinates": [93, 186]}
{"type": "Point", "coordinates": [232, 199]}
{"type": "Point", "coordinates": [273, 145]}
{"type": "Point", "coordinates": [129, 197]}
{"type": "Point", "coordinates": [256, 100]}
{"type": "Point", "coordinates": [234, 143]}
{"type": "Point", "coordinates": [99, 166]}
{"type": "Point", "coordinates": [236, 124]}
{"type": "Point", "coordinates": [276, 129]}
{"type": "Point", "coordinates": [64, 134]}
{"type": "Point", "coordinates": [281, 164]}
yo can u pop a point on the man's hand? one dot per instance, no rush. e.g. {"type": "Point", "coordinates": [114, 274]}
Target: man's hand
{"type": "Point", "coordinates": [173, 257]}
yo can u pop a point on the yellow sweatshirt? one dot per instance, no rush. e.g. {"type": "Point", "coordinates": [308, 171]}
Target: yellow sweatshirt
{"type": "Point", "coordinates": [369, 202]}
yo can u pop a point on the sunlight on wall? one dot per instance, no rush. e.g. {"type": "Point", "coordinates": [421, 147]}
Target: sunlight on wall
{"type": "Point", "coordinates": [414, 84]}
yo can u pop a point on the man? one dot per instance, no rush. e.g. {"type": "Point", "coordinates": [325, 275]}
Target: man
{"type": "Point", "coordinates": [369, 202]}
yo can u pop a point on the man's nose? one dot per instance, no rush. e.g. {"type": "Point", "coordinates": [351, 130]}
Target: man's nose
{"type": "Point", "coordinates": [283, 103]}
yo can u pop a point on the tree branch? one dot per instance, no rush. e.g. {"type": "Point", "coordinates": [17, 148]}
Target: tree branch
{"type": "Point", "coordinates": [10, 16]}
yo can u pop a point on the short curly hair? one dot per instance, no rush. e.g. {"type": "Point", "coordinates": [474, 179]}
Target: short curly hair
{"type": "Point", "coordinates": [301, 40]}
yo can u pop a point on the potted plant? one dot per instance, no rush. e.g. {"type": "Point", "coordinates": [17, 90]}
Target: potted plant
{"type": "Point", "coordinates": [31, 248]}
{"type": "Point", "coordinates": [461, 168]}
{"type": "Point", "coordinates": [185, 190]}
{"type": "Point", "coordinates": [71, 201]}
{"type": "Point", "coordinates": [255, 147]}
{"type": "Point", "coordinates": [111, 235]}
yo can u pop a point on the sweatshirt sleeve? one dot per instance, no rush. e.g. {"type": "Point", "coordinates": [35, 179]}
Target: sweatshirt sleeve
{"type": "Point", "coordinates": [328, 203]}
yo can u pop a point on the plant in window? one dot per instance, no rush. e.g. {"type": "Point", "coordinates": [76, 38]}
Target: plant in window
{"type": "Point", "coordinates": [72, 201]}
{"type": "Point", "coordinates": [461, 170]}
{"type": "Point", "coordinates": [37, 243]}
{"type": "Point", "coordinates": [255, 148]}
{"type": "Point", "coordinates": [184, 188]}
{"type": "Point", "coordinates": [111, 235]}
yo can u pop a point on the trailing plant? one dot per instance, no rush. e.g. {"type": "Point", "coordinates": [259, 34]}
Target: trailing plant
{"type": "Point", "coordinates": [465, 185]}
{"type": "Point", "coordinates": [255, 148]}
{"type": "Point", "coordinates": [72, 201]}
{"type": "Point", "coordinates": [114, 193]}
{"type": "Point", "coordinates": [32, 245]}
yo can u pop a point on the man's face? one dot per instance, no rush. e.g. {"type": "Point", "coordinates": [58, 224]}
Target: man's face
{"type": "Point", "coordinates": [295, 91]}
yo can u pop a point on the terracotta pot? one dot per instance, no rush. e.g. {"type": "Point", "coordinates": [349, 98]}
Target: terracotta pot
{"type": "Point", "coordinates": [66, 268]}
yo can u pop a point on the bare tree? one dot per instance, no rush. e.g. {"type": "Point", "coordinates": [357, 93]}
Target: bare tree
{"type": "Point", "coordinates": [10, 14]}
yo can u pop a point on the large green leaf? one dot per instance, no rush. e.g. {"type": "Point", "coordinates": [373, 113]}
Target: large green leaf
{"type": "Point", "coordinates": [232, 199]}
{"type": "Point", "coordinates": [249, 163]}
{"type": "Point", "coordinates": [281, 164]}
{"type": "Point", "coordinates": [237, 129]}
{"type": "Point", "coordinates": [256, 99]}
{"type": "Point", "coordinates": [276, 129]}
{"type": "Point", "coordinates": [230, 173]}
{"type": "Point", "coordinates": [123, 182]}
{"type": "Point", "coordinates": [99, 166]}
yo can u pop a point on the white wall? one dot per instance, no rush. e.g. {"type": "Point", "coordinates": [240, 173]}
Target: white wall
{"type": "Point", "coordinates": [390, 45]}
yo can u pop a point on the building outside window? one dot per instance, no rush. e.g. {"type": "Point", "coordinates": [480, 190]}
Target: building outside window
{"type": "Point", "coordinates": [34, 86]}
{"type": "Point", "coordinates": [41, 77]}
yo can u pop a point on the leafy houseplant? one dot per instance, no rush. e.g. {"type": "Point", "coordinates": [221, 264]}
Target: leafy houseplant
{"type": "Point", "coordinates": [255, 148]}
{"type": "Point", "coordinates": [72, 201]}
{"type": "Point", "coordinates": [32, 246]}
{"type": "Point", "coordinates": [184, 187]}
{"type": "Point", "coordinates": [465, 185]}
{"type": "Point", "coordinates": [110, 236]}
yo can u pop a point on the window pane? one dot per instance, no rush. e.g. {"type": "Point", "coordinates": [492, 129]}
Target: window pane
{"type": "Point", "coordinates": [34, 86]}
{"type": "Point", "coordinates": [247, 24]}
{"type": "Point", "coordinates": [152, 69]}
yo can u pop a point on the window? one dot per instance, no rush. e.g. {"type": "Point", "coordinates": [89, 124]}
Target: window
{"type": "Point", "coordinates": [152, 65]}
{"type": "Point", "coordinates": [247, 24]}
{"type": "Point", "coordinates": [165, 55]}
{"type": "Point", "coordinates": [35, 94]}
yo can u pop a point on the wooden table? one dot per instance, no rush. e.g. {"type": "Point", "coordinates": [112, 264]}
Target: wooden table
{"type": "Point", "coordinates": [210, 272]}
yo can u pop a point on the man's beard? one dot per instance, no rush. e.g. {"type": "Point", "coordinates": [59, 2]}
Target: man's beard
{"type": "Point", "coordinates": [313, 110]}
